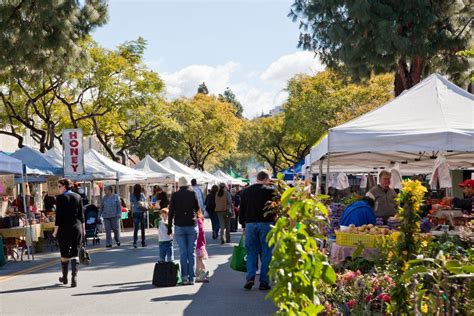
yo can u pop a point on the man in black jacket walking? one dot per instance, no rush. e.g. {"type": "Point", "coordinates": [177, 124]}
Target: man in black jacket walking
{"type": "Point", "coordinates": [256, 221]}
{"type": "Point", "coordinates": [183, 213]}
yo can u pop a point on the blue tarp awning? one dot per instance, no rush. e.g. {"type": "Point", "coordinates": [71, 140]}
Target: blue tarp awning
{"type": "Point", "coordinates": [290, 173]}
{"type": "Point", "coordinates": [36, 163]}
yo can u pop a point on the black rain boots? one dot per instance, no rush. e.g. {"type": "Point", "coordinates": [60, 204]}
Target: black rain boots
{"type": "Point", "coordinates": [64, 268]}
{"type": "Point", "coordinates": [74, 266]}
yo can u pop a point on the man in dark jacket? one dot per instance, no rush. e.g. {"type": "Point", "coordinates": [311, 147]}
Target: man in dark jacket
{"type": "Point", "coordinates": [183, 213]}
{"type": "Point", "coordinates": [256, 221]}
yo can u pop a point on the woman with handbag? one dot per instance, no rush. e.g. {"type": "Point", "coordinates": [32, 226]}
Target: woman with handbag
{"type": "Point", "coordinates": [139, 207]}
{"type": "Point", "coordinates": [224, 211]}
{"type": "Point", "coordinates": [69, 229]}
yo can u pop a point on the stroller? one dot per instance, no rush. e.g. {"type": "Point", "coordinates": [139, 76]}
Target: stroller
{"type": "Point", "coordinates": [91, 215]}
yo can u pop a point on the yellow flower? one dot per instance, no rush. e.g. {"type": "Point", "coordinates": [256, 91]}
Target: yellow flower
{"type": "Point", "coordinates": [424, 308]}
{"type": "Point", "coordinates": [405, 266]}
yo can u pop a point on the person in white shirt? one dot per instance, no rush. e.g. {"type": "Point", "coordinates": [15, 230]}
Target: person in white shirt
{"type": "Point", "coordinates": [165, 240]}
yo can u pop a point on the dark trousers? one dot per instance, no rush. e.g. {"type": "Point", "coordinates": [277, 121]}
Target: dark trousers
{"type": "Point", "coordinates": [215, 222]}
{"type": "Point", "coordinates": [138, 219]}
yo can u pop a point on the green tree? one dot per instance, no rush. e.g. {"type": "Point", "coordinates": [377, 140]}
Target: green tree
{"type": "Point", "coordinates": [129, 96]}
{"type": "Point", "coordinates": [163, 142]}
{"type": "Point", "coordinates": [409, 38]}
{"type": "Point", "coordinates": [229, 96]}
{"type": "Point", "coordinates": [45, 35]}
{"type": "Point", "coordinates": [203, 89]}
{"type": "Point", "coordinates": [30, 105]}
{"type": "Point", "coordinates": [262, 138]}
{"type": "Point", "coordinates": [317, 103]}
{"type": "Point", "coordinates": [209, 128]}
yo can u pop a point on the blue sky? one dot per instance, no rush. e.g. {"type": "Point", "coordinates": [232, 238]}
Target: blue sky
{"type": "Point", "coordinates": [249, 46]}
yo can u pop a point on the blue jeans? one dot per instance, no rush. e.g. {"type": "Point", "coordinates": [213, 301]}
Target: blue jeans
{"type": "Point", "coordinates": [256, 243]}
{"type": "Point", "coordinates": [215, 222]}
{"type": "Point", "coordinates": [138, 219]}
{"type": "Point", "coordinates": [166, 251]}
{"type": "Point", "coordinates": [186, 237]}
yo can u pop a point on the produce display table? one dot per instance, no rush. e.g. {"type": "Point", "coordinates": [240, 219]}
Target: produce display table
{"type": "Point", "coordinates": [22, 232]}
{"type": "Point", "coordinates": [46, 227]}
{"type": "Point", "coordinates": [339, 253]}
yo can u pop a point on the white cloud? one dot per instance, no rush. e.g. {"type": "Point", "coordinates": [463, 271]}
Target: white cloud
{"type": "Point", "coordinates": [185, 82]}
{"type": "Point", "coordinates": [258, 91]}
{"type": "Point", "coordinates": [289, 65]}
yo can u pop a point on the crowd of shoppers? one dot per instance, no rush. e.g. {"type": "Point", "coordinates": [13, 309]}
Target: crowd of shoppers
{"type": "Point", "coordinates": [181, 219]}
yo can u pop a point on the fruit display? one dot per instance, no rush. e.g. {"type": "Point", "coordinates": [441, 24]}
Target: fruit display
{"type": "Point", "coordinates": [379, 221]}
{"type": "Point", "coordinates": [394, 222]}
{"type": "Point", "coordinates": [335, 213]}
{"type": "Point", "coordinates": [368, 229]}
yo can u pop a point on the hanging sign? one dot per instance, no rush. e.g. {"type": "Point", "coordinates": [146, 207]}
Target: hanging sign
{"type": "Point", "coordinates": [73, 152]}
{"type": "Point", "coordinates": [52, 183]}
{"type": "Point", "coordinates": [7, 183]}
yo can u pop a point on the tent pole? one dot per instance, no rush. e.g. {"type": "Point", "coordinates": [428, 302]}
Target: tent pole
{"type": "Point", "coordinates": [327, 167]}
{"type": "Point", "coordinates": [28, 237]}
{"type": "Point", "coordinates": [320, 177]}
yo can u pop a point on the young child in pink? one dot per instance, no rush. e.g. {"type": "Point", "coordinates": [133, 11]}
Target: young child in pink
{"type": "Point", "coordinates": [201, 254]}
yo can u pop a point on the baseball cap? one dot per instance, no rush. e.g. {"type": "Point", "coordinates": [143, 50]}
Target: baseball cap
{"type": "Point", "coordinates": [467, 184]}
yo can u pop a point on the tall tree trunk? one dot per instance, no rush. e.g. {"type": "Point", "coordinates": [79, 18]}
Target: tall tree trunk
{"type": "Point", "coordinates": [406, 77]}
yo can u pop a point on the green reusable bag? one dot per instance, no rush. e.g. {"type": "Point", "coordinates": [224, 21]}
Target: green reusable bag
{"type": "Point", "coordinates": [238, 262]}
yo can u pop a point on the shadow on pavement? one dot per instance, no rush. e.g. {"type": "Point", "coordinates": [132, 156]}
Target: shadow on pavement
{"type": "Point", "coordinates": [39, 288]}
{"type": "Point", "coordinates": [224, 290]}
{"type": "Point", "coordinates": [139, 286]}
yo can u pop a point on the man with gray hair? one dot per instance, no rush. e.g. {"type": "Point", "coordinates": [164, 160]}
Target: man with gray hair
{"type": "Point", "coordinates": [111, 212]}
{"type": "Point", "coordinates": [384, 197]}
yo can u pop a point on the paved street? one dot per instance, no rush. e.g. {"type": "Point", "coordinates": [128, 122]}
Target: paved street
{"type": "Point", "coordinates": [119, 282]}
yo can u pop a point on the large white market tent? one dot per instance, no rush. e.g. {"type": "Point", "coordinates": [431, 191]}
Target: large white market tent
{"type": "Point", "coordinates": [93, 170]}
{"type": "Point", "coordinates": [124, 174]}
{"type": "Point", "coordinates": [178, 167]}
{"type": "Point", "coordinates": [35, 162]}
{"type": "Point", "coordinates": [213, 178]}
{"type": "Point", "coordinates": [156, 172]}
{"type": "Point", "coordinates": [225, 178]}
{"type": "Point", "coordinates": [432, 118]}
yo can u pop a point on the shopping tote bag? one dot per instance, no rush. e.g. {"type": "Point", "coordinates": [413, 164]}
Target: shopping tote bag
{"type": "Point", "coordinates": [238, 262]}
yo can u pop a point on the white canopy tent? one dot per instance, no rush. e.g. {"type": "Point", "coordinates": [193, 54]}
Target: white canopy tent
{"type": "Point", "coordinates": [213, 178]}
{"type": "Point", "coordinates": [94, 170]}
{"type": "Point", "coordinates": [432, 118]}
{"type": "Point", "coordinates": [178, 167]}
{"type": "Point", "coordinates": [124, 174]}
{"type": "Point", "coordinates": [225, 178]}
{"type": "Point", "coordinates": [156, 172]}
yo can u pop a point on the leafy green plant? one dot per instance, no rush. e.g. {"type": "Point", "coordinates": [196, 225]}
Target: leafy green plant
{"type": "Point", "coordinates": [299, 268]}
{"type": "Point", "coordinates": [408, 242]}
{"type": "Point", "coordinates": [441, 286]}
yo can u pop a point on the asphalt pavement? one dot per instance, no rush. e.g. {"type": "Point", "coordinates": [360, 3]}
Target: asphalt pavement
{"type": "Point", "coordinates": [118, 282]}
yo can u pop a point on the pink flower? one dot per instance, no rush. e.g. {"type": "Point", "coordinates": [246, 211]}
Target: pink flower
{"type": "Point", "coordinates": [384, 297]}
{"type": "Point", "coordinates": [368, 298]}
{"type": "Point", "coordinates": [351, 303]}
{"type": "Point", "coordinates": [388, 279]}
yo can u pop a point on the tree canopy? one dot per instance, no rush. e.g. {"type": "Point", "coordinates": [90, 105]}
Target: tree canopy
{"type": "Point", "coordinates": [408, 38]}
{"type": "Point", "coordinates": [229, 96]}
{"type": "Point", "coordinates": [45, 35]}
{"type": "Point", "coordinates": [315, 104]}
{"type": "Point", "coordinates": [203, 88]}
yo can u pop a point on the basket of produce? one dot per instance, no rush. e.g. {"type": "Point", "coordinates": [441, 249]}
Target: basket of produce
{"type": "Point", "coordinates": [367, 235]}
